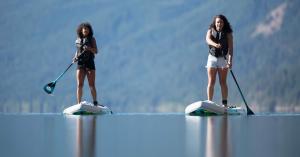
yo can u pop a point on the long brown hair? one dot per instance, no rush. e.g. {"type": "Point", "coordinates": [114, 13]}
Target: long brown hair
{"type": "Point", "coordinates": [227, 26]}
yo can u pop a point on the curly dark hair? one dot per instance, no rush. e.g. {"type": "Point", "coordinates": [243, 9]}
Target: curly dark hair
{"type": "Point", "coordinates": [227, 26]}
{"type": "Point", "coordinates": [86, 25]}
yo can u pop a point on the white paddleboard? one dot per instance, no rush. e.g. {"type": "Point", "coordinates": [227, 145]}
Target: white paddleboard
{"type": "Point", "coordinates": [84, 108]}
{"type": "Point", "coordinates": [211, 108]}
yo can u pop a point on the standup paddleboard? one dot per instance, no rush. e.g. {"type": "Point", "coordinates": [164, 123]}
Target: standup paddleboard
{"type": "Point", "coordinates": [211, 108]}
{"type": "Point", "coordinates": [85, 108]}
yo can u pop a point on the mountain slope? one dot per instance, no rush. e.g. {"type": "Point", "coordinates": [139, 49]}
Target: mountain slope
{"type": "Point", "coordinates": [152, 53]}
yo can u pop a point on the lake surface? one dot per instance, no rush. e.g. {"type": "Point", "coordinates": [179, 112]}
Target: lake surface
{"type": "Point", "coordinates": [149, 135]}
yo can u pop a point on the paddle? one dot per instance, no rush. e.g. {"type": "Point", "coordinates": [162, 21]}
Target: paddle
{"type": "Point", "coordinates": [249, 111]}
{"type": "Point", "coordinates": [49, 88]}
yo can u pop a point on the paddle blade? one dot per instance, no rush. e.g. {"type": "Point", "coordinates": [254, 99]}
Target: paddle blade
{"type": "Point", "coordinates": [49, 88]}
{"type": "Point", "coordinates": [249, 112]}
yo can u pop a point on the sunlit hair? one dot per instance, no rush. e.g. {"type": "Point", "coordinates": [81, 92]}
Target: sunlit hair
{"type": "Point", "coordinates": [86, 25]}
{"type": "Point", "coordinates": [227, 26]}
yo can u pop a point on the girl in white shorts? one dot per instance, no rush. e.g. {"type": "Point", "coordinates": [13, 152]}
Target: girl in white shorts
{"type": "Point", "coordinates": [220, 41]}
{"type": "Point", "coordinates": [216, 62]}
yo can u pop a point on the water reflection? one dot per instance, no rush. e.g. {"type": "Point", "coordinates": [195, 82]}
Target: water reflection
{"type": "Point", "coordinates": [82, 136]}
{"type": "Point", "coordinates": [207, 136]}
{"type": "Point", "coordinates": [149, 135]}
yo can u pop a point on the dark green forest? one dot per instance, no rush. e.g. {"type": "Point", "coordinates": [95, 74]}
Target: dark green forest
{"type": "Point", "coordinates": [152, 54]}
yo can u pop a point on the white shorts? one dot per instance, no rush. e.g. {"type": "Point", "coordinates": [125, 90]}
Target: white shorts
{"type": "Point", "coordinates": [214, 62]}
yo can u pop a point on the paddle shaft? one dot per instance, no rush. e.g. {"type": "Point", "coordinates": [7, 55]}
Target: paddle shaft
{"type": "Point", "coordinates": [68, 68]}
{"type": "Point", "coordinates": [63, 72]}
{"type": "Point", "coordinates": [249, 111]}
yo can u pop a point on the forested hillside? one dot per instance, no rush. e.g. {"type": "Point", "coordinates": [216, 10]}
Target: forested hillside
{"type": "Point", "coordinates": [152, 53]}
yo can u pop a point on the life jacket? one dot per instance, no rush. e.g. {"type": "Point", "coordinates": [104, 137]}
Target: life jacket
{"type": "Point", "coordinates": [220, 38]}
{"type": "Point", "coordinates": [82, 54]}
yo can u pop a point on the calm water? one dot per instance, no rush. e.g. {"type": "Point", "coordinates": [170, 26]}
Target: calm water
{"type": "Point", "coordinates": [149, 135]}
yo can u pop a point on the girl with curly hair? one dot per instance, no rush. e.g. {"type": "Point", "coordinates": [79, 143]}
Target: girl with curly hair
{"type": "Point", "coordinates": [220, 41]}
{"type": "Point", "coordinates": [86, 50]}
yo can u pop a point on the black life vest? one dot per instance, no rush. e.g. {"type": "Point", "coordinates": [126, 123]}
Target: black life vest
{"type": "Point", "coordinates": [221, 38]}
{"type": "Point", "coordinates": [83, 54]}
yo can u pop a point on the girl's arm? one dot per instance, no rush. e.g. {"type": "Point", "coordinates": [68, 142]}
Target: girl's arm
{"type": "Point", "coordinates": [75, 57]}
{"type": "Point", "coordinates": [94, 48]}
{"type": "Point", "coordinates": [209, 41]}
{"type": "Point", "coordinates": [230, 48]}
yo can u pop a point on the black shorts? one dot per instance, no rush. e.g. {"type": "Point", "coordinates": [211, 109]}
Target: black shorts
{"type": "Point", "coordinates": [89, 64]}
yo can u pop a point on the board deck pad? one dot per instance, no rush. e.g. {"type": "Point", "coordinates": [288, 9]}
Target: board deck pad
{"type": "Point", "coordinates": [86, 108]}
{"type": "Point", "coordinates": [207, 108]}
